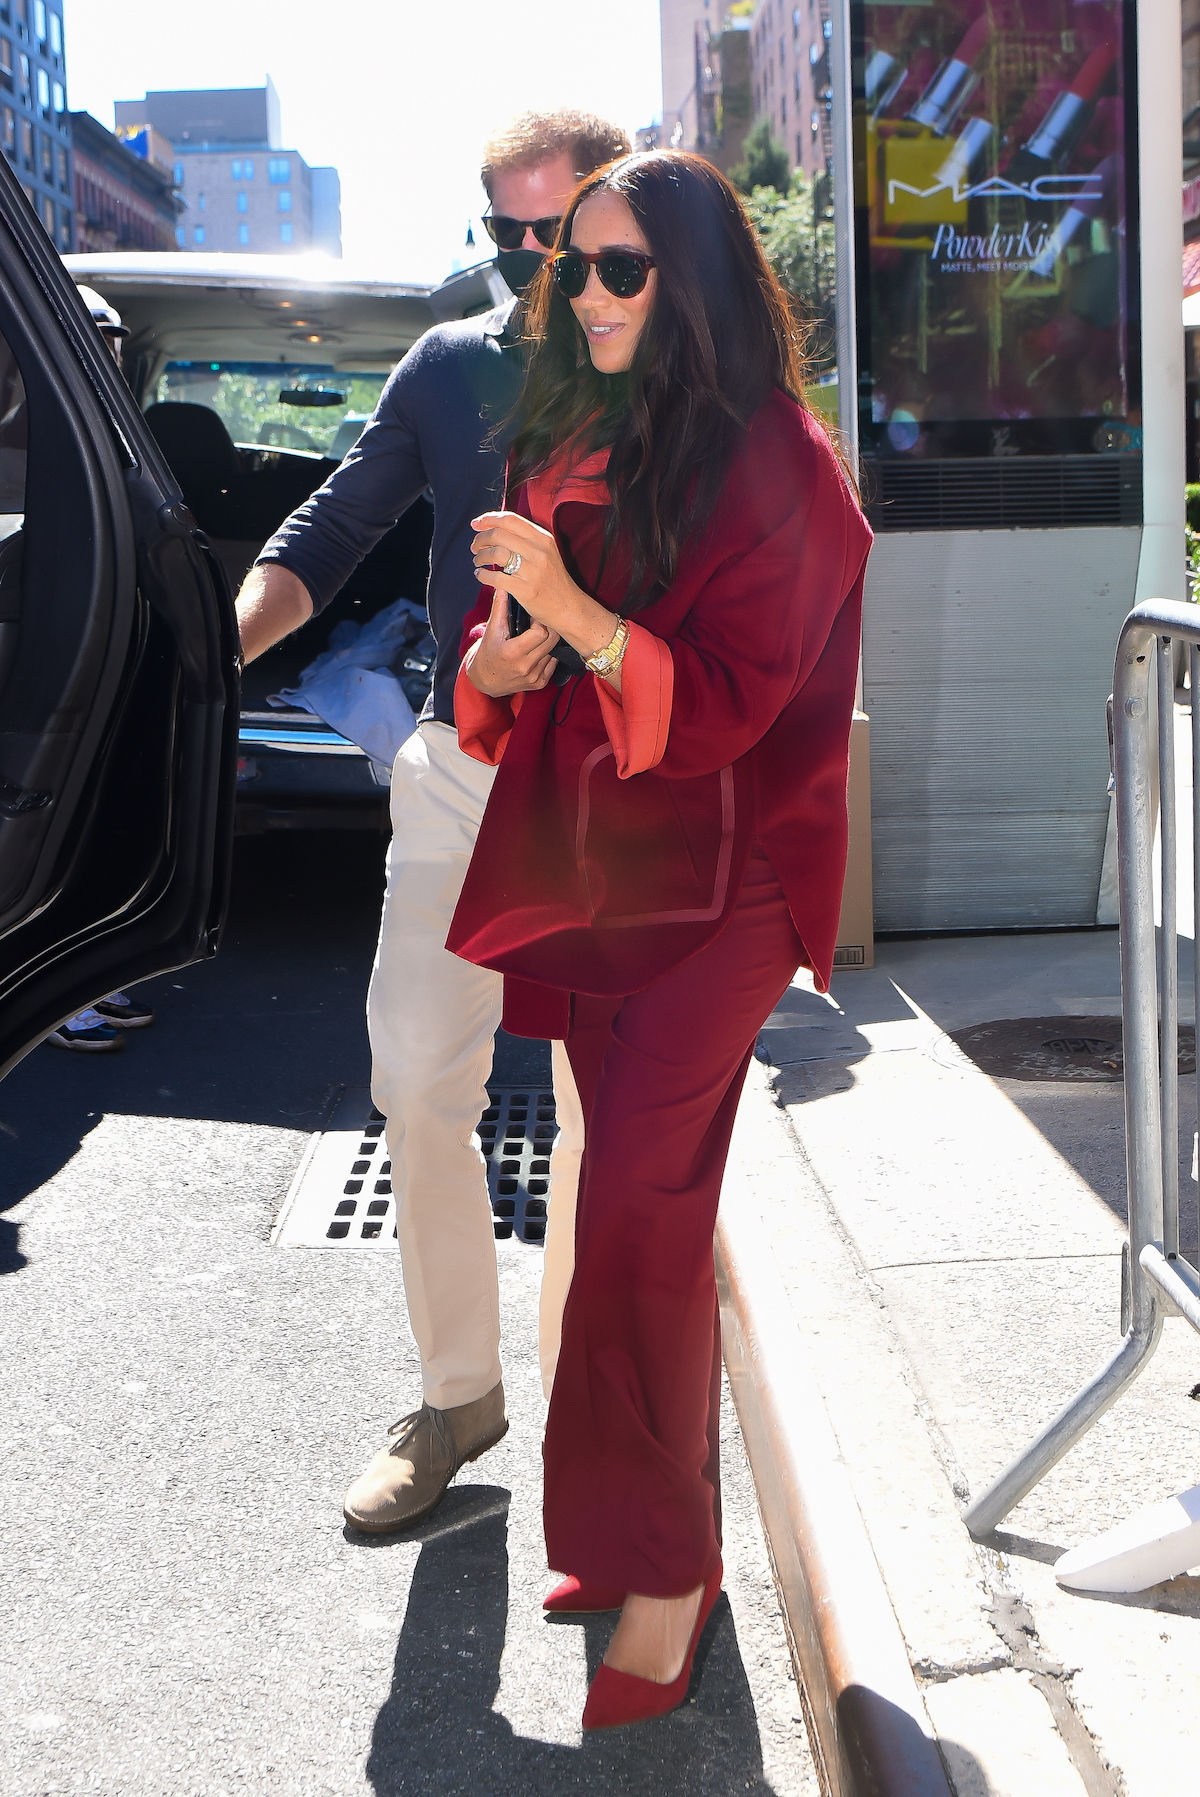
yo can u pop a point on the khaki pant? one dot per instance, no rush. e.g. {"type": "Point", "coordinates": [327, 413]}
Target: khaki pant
{"type": "Point", "coordinates": [431, 1018]}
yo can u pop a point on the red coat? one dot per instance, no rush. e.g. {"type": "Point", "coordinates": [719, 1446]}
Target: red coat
{"type": "Point", "coordinates": [591, 877]}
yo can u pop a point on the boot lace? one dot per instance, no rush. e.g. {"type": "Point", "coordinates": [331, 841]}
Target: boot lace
{"type": "Point", "coordinates": [406, 1427]}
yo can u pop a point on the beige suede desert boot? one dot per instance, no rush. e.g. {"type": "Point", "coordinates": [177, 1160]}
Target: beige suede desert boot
{"type": "Point", "coordinates": [407, 1478]}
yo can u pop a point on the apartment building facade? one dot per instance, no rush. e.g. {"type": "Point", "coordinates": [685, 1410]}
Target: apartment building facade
{"type": "Point", "coordinates": [705, 80]}
{"type": "Point", "coordinates": [124, 192]}
{"type": "Point", "coordinates": [242, 189]}
{"type": "Point", "coordinates": [35, 129]}
{"type": "Point", "coordinates": [790, 79]}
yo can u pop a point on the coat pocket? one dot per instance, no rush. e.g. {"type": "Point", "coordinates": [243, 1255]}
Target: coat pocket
{"type": "Point", "coordinates": [651, 850]}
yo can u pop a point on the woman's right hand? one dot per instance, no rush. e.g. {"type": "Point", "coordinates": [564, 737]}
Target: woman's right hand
{"type": "Point", "coordinates": [500, 665]}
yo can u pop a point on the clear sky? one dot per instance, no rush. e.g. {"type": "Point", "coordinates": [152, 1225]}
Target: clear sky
{"type": "Point", "coordinates": [399, 95]}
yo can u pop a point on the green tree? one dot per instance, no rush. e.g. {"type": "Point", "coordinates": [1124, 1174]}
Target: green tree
{"type": "Point", "coordinates": [764, 160]}
{"type": "Point", "coordinates": [795, 227]}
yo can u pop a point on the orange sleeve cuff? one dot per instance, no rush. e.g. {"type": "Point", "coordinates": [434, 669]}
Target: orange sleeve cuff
{"type": "Point", "coordinates": [484, 724]}
{"type": "Point", "coordinates": [638, 718]}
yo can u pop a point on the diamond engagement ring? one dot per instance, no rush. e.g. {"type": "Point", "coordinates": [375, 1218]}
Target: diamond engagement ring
{"type": "Point", "coordinates": [512, 565]}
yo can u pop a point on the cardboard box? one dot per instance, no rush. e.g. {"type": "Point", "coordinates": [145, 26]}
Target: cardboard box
{"type": "Point", "coordinates": [856, 929]}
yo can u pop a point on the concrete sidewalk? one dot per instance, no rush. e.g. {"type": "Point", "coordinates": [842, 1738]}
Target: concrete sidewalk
{"type": "Point", "coordinates": [950, 1246]}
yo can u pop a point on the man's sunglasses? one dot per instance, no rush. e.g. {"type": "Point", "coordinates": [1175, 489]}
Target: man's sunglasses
{"type": "Point", "coordinates": [509, 233]}
{"type": "Point", "coordinates": [623, 272]}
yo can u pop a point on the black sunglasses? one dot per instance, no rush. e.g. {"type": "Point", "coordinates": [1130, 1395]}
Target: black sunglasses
{"type": "Point", "coordinates": [509, 233]}
{"type": "Point", "coordinates": [623, 272]}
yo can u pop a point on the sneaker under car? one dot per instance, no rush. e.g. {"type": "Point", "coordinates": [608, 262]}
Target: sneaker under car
{"type": "Point", "coordinates": [124, 1011]}
{"type": "Point", "coordinates": [87, 1033]}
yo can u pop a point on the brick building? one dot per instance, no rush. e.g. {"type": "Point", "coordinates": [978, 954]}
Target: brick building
{"type": "Point", "coordinates": [124, 191]}
{"type": "Point", "coordinates": [35, 131]}
{"type": "Point", "coordinates": [789, 78]}
{"type": "Point", "coordinates": [241, 188]}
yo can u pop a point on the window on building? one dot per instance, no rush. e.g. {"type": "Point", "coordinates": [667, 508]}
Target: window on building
{"type": "Point", "coordinates": [285, 199]}
{"type": "Point", "coordinates": [285, 233]}
{"type": "Point", "coordinates": [60, 98]}
{"type": "Point", "coordinates": [55, 35]}
{"type": "Point", "coordinates": [243, 233]}
{"type": "Point", "coordinates": [202, 202]}
{"type": "Point", "coordinates": [198, 234]}
{"type": "Point", "coordinates": [64, 228]}
{"type": "Point", "coordinates": [43, 90]}
{"type": "Point", "coordinates": [180, 237]}
{"type": "Point", "coordinates": [46, 158]}
{"type": "Point", "coordinates": [279, 171]}
{"type": "Point", "coordinates": [6, 63]}
{"type": "Point", "coordinates": [247, 170]}
{"type": "Point", "coordinates": [39, 20]}
{"type": "Point", "coordinates": [27, 142]}
{"type": "Point", "coordinates": [23, 66]}
{"type": "Point", "coordinates": [179, 174]}
{"type": "Point", "coordinates": [243, 202]}
{"type": "Point", "coordinates": [235, 169]}
{"type": "Point", "coordinates": [10, 131]}
{"type": "Point", "coordinates": [20, 13]}
{"type": "Point", "coordinates": [64, 178]}
{"type": "Point", "coordinates": [799, 146]}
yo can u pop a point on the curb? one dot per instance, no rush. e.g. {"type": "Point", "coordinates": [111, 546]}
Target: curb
{"type": "Point", "coordinates": [869, 1729]}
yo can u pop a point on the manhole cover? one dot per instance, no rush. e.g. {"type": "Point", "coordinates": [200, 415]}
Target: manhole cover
{"type": "Point", "coordinates": [1083, 1049]}
{"type": "Point", "coordinates": [341, 1196]}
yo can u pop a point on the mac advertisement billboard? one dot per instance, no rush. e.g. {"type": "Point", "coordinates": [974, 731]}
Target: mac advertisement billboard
{"type": "Point", "coordinates": [996, 229]}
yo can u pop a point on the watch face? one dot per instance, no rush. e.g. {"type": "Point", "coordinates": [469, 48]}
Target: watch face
{"type": "Point", "coordinates": [995, 193]}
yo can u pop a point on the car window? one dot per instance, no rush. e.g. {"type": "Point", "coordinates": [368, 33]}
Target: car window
{"type": "Point", "coordinates": [322, 412]}
{"type": "Point", "coordinates": [14, 442]}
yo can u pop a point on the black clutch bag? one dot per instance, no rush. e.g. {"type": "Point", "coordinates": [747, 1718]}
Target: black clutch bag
{"type": "Point", "coordinates": [569, 660]}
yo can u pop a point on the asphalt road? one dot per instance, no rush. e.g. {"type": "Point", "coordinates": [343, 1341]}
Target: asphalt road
{"type": "Point", "coordinates": [181, 1407]}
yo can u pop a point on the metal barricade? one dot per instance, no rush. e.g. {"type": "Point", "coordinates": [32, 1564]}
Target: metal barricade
{"type": "Point", "coordinates": [1156, 1282]}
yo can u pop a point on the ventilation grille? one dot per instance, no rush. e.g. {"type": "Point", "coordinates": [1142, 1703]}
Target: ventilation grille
{"type": "Point", "coordinates": [1003, 492]}
{"type": "Point", "coordinates": [342, 1194]}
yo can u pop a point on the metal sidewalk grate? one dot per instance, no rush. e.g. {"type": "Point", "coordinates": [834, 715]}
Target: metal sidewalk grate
{"type": "Point", "coordinates": [342, 1197]}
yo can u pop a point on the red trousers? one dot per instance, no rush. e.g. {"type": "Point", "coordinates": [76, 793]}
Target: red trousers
{"type": "Point", "coordinates": [632, 1495]}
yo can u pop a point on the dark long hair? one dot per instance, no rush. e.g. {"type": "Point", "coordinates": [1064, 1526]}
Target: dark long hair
{"type": "Point", "coordinates": [719, 338]}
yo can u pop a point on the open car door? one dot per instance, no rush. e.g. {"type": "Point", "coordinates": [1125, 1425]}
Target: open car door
{"type": "Point", "coordinates": [118, 670]}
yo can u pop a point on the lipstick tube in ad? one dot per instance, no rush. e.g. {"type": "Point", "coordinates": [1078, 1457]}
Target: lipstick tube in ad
{"type": "Point", "coordinates": [1105, 176]}
{"type": "Point", "coordinates": [1066, 120]}
{"type": "Point", "coordinates": [969, 155]}
{"type": "Point", "coordinates": [953, 84]}
{"type": "Point", "coordinates": [882, 79]}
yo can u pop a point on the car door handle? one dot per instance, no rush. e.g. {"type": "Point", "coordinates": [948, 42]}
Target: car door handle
{"type": "Point", "coordinates": [15, 800]}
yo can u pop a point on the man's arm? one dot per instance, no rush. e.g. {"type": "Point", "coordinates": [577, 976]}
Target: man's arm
{"type": "Point", "coordinates": [272, 603]}
{"type": "Point", "coordinates": [327, 536]}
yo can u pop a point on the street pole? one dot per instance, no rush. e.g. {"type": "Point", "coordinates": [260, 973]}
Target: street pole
{"type": "Point", "coordinates": [843, 226]}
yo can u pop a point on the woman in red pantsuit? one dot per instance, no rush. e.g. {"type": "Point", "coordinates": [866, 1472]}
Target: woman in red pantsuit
{"type": "Point", "coordinates": [665, 842]}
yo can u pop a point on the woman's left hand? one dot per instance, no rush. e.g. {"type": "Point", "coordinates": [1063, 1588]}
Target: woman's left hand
{"type": "Point", "coordinates": [541, 583]}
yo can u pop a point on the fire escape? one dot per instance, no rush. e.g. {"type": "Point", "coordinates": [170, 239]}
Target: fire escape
{"type": "Point", "coordinates": [707, 91]}
{"type": "Point", "coordinates": [822, 80]}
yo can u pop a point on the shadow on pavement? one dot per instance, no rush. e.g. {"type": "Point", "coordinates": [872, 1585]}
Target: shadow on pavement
{"type": "Point", "coordinates": [438, 1729]}
{"type": "Point", "coordinates": [261, 1034]}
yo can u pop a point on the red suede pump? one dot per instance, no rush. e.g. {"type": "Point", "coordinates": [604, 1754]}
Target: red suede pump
{"type": "Point", "coordinates": [615, 1698]}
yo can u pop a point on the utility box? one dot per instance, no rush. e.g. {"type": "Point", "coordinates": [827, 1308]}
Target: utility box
{"type": "Point", "coordinates": [856, 928]}
{"type": "Point", "coordinates": [1000, 421]}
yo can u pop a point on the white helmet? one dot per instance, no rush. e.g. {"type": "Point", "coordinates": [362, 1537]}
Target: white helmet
{"type": "Point", "coordinates": [107, 318]}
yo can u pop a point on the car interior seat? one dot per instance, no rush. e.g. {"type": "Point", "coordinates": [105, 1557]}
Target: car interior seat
{"type": "Point", "coordinates": [203, 459]}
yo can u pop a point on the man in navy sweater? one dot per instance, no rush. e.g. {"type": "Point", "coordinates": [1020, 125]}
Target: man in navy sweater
{"type": "Point", "coordinates": [432, 1017]}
